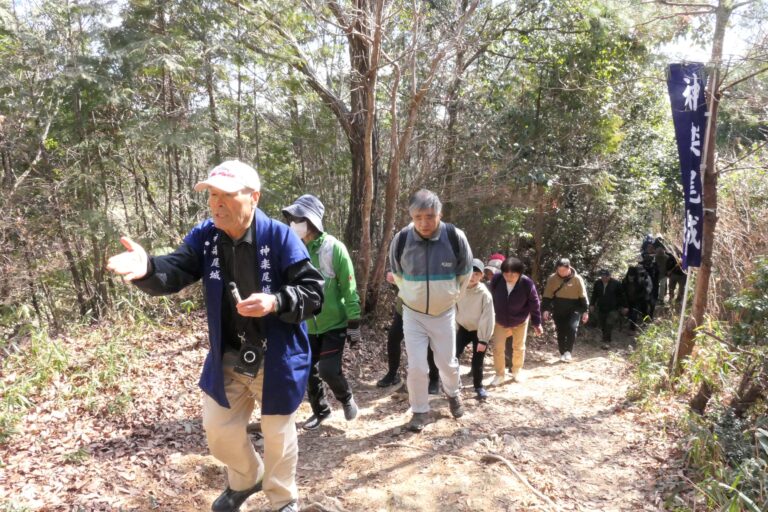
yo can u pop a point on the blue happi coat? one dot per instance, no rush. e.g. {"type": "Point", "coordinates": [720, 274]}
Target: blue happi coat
{"type": "Point", "coordinates": [287, 358]}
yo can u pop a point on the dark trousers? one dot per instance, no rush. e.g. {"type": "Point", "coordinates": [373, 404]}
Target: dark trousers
{"type": "Point", "coordinates": [394, 349]}
{"type": "Point", "coordinates": [327, 356]}
{"type": "Point", "coordinates": [676, 280]}
{"type": "Point", "coordinates": [607, 321]}
{"type": "Point", "coordinates": [566, 327]}
{"type": "Point", "coordinates": [637, 313]}
{"type": "Point", "coordinates": [464, 338]}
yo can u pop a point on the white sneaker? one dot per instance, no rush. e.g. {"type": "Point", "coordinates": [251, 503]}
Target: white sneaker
{"type": "Point", "coordinates": [497, 380]}
{"type": "Point", "coordinates": [563, 359]}
{"type": "Point", "coordinates": [568, 357]}
{"type": "Point", "coordinates": [517, 376]}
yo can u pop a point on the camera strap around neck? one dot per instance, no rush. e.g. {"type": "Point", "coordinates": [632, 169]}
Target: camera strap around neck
{"type": "Point", "coordinates": [243, 323]}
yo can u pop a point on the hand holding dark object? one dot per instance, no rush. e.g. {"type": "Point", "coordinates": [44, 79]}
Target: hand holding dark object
{"type": "Point", "coordinates": [257, 305]}
{"type": "Point", "coordinates": [354, 336]}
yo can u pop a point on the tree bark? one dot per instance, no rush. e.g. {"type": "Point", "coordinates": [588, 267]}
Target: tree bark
{"type": "Point", "coordinates": [699, 402]}
{"type": "Point", "coordinates": [209, 87]}
{"type": "Point", "coordinates": [709, 195]}
{"type": "Point", "coordinates": [538, 234]}
{"type": "Point", "coordinates": [753, 387]}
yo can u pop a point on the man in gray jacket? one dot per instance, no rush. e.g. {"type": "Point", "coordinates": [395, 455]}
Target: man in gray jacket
{"type": "Point", "coordinates": [431, 262]}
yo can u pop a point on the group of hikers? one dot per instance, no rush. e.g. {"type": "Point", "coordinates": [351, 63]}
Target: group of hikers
{"type": "Point", "coordinates": [282, 305]}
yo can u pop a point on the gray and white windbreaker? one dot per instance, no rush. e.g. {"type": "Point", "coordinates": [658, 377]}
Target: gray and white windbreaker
{"type": "Point", "coordinates": [429, 275]}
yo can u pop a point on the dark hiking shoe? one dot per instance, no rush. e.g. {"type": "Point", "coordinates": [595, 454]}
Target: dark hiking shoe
{"type": "Point", "coordinates": [290, 507]}
{"type": "Point", "coordinates": [418, 420]}
{"type": "Point", "coordinates": [230, 501]}
{"type": "Point", "coordinates": [481, 393]}
{"type": "Point", "coordinates": [434, 387]}
{"type": "Point", "coordinates": [350, 409]}
{"type": "Point", "coordinates": [315, 420]}
{"type": "Point", "coordinates": [454, 402]}
{"type": "Point", "coordinates": [388, 380]}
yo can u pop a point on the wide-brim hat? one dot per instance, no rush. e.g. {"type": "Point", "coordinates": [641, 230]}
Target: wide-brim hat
{"type": "Point", "coordinates": [308, 207]}
{"type": "Point", "coordinates": [230, 177]}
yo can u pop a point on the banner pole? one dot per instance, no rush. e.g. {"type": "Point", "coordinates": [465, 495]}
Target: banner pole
{"type": "Point", "coordinates": [680, 327]}
{"type": "Point", "coordinates": [705, 148]}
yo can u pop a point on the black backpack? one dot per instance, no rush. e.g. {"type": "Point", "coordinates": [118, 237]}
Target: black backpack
{"type": "Point", "coordinates": [402, 237]}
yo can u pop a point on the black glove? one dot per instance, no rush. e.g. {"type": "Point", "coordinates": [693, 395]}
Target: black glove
{"type": "Point", "coordinates": [354, 336]}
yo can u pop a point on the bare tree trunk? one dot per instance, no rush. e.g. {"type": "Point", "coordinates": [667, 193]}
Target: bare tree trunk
{"type": "Point", "coordinates": [298, 141]}
{"type": "Point", "coordinates": [209, 87]}
{"type": "Point", "coordinates": [238, 115]}
{"type": "Point", "coordinates": [69, 255]}
{"type": "Point", "coordinates": [452, 138]}
{"type": "Point", "coordinates": [368, 154]}
{"type": "Point", "coordinates": [256, 128]}
{"type": "Point", "coordinates": [698, 403]}
{"type": "Point", "coordinates": [709, 195]}
{"type": "Point", "coordinates": [753, 387]}
{"type": "Point", "coordinates": [538, 233]}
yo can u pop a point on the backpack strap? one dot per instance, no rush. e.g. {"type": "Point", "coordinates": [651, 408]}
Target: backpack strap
{"type": "Point", "coordinates": [325, 257]}
{"type": "Point", "coordinates": [565, 281]}
{"type": "Point", "coordinates": [453, 238]}
{"type": "Point", "coordinates": [402, 237]}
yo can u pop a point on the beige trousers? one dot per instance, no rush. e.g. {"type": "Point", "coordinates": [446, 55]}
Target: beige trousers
{"type": "Point", "coordinates": [229, 442]}
{"type": "Point", "coordinates": [519, 334]}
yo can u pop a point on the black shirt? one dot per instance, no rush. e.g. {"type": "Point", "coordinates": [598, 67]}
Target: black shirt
{"type": "Point", "coordinates": [237, 264]}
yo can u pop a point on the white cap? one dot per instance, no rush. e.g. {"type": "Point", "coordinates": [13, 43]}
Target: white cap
{"type": "Point", "coordinates": [231, 176]}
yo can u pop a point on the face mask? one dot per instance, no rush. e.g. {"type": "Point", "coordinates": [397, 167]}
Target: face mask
{"type": "Point", "coordinates": [300, 228]}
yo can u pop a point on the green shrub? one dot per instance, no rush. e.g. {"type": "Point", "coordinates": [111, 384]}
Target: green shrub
{"type": "Point", "coordinates": [650, 360]}
{"type": "Point", "coordinates": [28, 371]}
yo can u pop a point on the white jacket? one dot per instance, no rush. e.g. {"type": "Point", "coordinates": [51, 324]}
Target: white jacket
{"type": "Point", "coordinates": [474, 311]}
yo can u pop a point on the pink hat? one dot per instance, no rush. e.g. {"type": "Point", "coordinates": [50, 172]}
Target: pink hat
{"type": "Point", "coordinates": [231, 176]}
{"type": "Point", "coordinates": [496, 256]}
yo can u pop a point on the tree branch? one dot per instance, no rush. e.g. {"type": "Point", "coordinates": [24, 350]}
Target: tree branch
{"type": "Point", "coordinates": [731, 165]}
{"type": "Point", "coordinates": [684, 4]}
{"type": "Point", "coordinates": [301, 64]}
{"type": "Point", "coordinates": [743, 79]}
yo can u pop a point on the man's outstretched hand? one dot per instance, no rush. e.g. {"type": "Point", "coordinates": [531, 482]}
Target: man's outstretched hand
{"type": "Point", "coordinates": [131, 264]}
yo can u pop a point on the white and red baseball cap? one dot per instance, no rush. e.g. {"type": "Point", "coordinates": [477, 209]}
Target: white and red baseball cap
{"type": "Point", "coordinates": [231, 176]}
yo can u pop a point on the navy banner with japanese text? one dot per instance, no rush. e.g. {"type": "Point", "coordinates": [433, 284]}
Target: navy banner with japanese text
{"type": "Point", "coordinates": [686, 83]}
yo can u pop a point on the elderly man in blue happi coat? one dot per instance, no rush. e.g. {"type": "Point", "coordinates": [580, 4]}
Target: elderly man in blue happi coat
{"type": "Point", "coordinates": [240, 248]}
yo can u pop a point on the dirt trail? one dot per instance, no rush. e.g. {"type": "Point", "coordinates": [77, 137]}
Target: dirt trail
{"type": "Point", "coordinates": [567, 429]}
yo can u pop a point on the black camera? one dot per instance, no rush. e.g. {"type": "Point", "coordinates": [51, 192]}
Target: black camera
{"type": "Point", "coordinates": [251, 354]}
{"type": "Point", "coordinates": [250, 357]}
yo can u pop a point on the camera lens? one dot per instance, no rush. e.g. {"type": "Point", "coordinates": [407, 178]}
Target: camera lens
{"type": "Point", "coordinates": [249, 356]}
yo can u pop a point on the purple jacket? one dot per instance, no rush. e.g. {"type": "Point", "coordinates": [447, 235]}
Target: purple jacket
{"type": "Point", "coordinates": [513, 309]}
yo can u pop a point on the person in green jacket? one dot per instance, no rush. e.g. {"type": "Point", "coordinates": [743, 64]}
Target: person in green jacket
{"type": "Point", "coordinates": [339, 318]}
